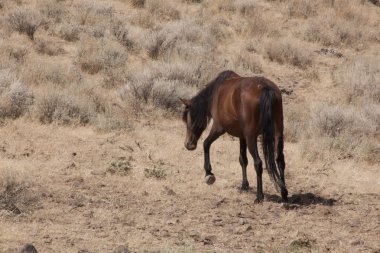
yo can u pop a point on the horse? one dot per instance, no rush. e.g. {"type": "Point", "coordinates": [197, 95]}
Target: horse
{"type": "Point", "coordinates": [243, 107]}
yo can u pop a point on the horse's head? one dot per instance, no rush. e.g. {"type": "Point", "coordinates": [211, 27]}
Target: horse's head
{"type": "Point", "coordinates": [194, 124]}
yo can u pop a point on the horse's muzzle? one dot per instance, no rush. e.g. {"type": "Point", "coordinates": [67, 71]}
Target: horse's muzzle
{"type": "Point", "coordinates": [190, 146]}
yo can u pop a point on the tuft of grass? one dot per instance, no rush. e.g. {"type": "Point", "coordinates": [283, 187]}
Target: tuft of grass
{"type": "Point", "coordinates": [138, 3]}
{"type": "Point", "coordinates": [15, 97]}
{"type": "Point", "coordinates": [24, 21]}
{"type": "Point", "coordinates": [289, 52]}
{"type": "Point", "coordinates": [94, 56]}
{"type": "Point", "coordinates": [16, 195]}
{"type": "Point", "coordinates": [69, 32]}
{"type": "Point", "coordinates": [360, 79]}
{"type": "Point", "coordinates": [163, 9]}
{"type": "Point", "coordinates": [155, 172]}
{"type": "Point", "coordinates": [46, 71]}
{"type": "Point", "coordinates": [48, 47]}
{"type": "Point", "coordinates": [120, 167]}
{"type": "Point", "coordinates": [62, 109]}
{"type": "Point", "coordinates": [344, 130]}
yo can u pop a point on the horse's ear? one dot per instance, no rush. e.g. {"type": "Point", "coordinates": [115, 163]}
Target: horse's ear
{"type": "Point", "coordinates": [185, 101]}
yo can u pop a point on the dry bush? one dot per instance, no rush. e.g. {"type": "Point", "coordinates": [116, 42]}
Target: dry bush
{"type": "Point", "coordinates": [49, 71]}
{"type": "Point", "coordinates": [246, 7]}
{"type": "Point", "coordinates": [142, 18]}
{"type": "Point", "coordinates": [121, 32]}
{"type": "Point", "coordinates": [344, 130]}
{"type": "Point", "coordinates": [296, 118]}
{"type": "Point", "coordinates": [91, 14]}
{"type": "Point", "coordinates": [138, 3]}
{"type": "Point", "coordinates": [289, 52]}
{"type": "Point", "coordinates": [247, 63]}
{"type": "Point", "coordinates": [44, 45]}
{"type": "Point", "coordinates": [25, 21]}
{"type": "Point", "coordinates": [11, 52]}
{"type": "Point", "coordinates": [16, 195]}
{"type": "Point", "coordinates": [343, 23]}
{"type": "Point", "coordinates": [15, 97]}
{"type": "Point", "coordinates": [302, 8]}
{"type": "Point", "coordinates": [360, 79]}
{"type": "Point", "coordinates": [163, 9]}
{"type": "Point", "coordinates": [69, 32]}
{"type": "Point", "coordinates": [62, 109]}
{"type": "Point", "coordinates": [182, 38]}
{"type": "Point", "coordinates": [94, 56]}
{"type": "Point", "coordinates": [52, 10]}
{"type": "Point", "coordinates": [158, 86]}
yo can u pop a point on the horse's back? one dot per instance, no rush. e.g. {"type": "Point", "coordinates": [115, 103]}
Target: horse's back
{"type": "Point", "coordinates": [238, 102]}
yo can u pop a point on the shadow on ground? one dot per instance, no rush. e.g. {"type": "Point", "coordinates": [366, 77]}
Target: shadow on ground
{"type": "Point", "coordinates": [303, 199]}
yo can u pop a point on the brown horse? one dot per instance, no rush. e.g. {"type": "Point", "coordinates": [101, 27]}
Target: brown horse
{"type": "Point", "coordinates": [244, 107]}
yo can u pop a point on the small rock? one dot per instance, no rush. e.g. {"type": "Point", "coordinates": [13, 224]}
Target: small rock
{"type": "Point", "coordinates": [121, 249]}
{"type": "Point", "coordinates": [28, 248]}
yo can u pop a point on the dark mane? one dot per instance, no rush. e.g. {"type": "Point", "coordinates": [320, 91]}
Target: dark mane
{"type": "Point", "coordinates": [200, 103]}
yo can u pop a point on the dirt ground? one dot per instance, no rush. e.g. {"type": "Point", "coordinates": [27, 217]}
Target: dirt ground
{"type": "Point", "coordinates": [75, 189]}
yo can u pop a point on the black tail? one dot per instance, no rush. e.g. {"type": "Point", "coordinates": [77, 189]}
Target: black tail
{"type": "Point", "coordinates": [267, 101]}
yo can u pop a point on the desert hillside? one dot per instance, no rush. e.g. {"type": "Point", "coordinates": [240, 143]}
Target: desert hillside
{"type": "Point", "coordinates": [91, 141]}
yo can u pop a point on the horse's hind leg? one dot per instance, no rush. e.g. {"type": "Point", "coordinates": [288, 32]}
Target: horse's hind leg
{"type": "Point", "coordinates": [281, 165]}
{"type": "Point", "coordinates": [252, 146]}
{"type": "Point", "coordinates": [244, 162]}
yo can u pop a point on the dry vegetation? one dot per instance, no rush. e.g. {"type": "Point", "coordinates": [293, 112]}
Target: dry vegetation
{"type": "Point", "coordinates": [108, 65]}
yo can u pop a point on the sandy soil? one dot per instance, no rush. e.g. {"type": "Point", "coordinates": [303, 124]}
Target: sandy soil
{"type": "Point", "coordinates": [77, 189]}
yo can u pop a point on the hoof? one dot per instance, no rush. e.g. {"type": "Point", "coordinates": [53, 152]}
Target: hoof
{"type": "Point", "coordinates": [258, 200]}
{"type": "Point", "coordinates": [210, 179]}
{"type": "Point", "coordinates": [244, 187]}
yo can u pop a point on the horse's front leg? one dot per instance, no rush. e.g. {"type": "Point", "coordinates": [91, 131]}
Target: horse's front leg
{"type": "Point", "coordinates": [213, 135]}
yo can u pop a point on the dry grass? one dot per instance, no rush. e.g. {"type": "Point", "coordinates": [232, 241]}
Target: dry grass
{"type": "Point", "coordinates": [133, 57]}
{"type": "Point", "coordinates": [289, 52]}
{"type": "Point", "coordinates": [24, 20]}
{"type": "Point", "coordinates": [15, 97]}
{"type": "Point", "coordinates": [16, 195]}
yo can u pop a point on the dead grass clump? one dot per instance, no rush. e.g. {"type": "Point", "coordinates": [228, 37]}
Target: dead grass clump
{"type": "Point", "coordinates": [303, 8]}
{"type": "Point", "coordinates": [62, 109]}
{"type": "Point", "coordinates": [24, 21]}
{"type": "Point", "coordinates": [247, 63]}
{"type": "Point", "coordinates": [11, 52]}
{"type": "Point", "coordinates": [48, 71]}
{"type": "Point", "coordinates": [245, 7]}
{"type": "Point", "coordinates": [69, 32]}
{"type": "Point", "coordinates": [184, 39]}
{"type": "Point", "coordinates": [16, 195]}
{"type": "Point", "coordinates": [53, 10]}
{"type": "Point", "coordinates": [163, 9]}
{"type": "Point", "coordinates": [289, 52]}
{"type": "Point", "coordinates": [346, 131]}
{"type": "Point", "coordinates": [48, 47]}
{"type": "Point", "coordinates": [295, 122]}
{"type": "Point", "coordinates": [360, 79]}
{"type": "Point", "coordinates": [121, 32]}
{"type": "Point", "coordinates": [15, 97]}
{"type": "Point", "coordinates": [120, 167]}
{"type": "Point", "coordinates": [138, 3]}
{"type": "Point", "coordinates": [156, 86]}
{"type": "Point", "coordinates": [94, 56]}
{"type": "Point", "coordinates": [155, 172]}
{"type": "Point", "coordinates": [91, 14]}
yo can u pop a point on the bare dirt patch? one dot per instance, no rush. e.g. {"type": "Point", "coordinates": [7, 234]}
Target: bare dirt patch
{"type": "Point", "coordinates": [83, 206]}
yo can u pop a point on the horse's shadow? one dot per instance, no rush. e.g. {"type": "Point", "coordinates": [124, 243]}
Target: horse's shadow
{"type": "Point", "coordinates": [303, 199]}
